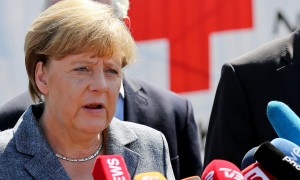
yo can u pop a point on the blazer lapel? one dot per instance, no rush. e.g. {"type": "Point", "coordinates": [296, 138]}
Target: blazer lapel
{"type": "Point", "coordinates": [46, 165]}
{"type": "Point", "coordinates": [289, 74]}
{"type": "Point", "coordinates": [119, 136]}
{"type": "Point", "coordinates": [135, 102]}
{"type": "Point", "coordinates": [43, 162]}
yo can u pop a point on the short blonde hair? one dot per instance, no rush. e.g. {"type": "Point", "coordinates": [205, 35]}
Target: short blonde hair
{"type": "Point", "coordinates": [71, 27]}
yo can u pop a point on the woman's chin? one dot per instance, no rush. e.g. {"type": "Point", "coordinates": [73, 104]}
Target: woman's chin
{"type": "Point", "coordinates": [92, 128]}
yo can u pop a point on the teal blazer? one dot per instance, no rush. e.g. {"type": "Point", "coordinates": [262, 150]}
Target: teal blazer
{"type": "Point", "coordinates": [26, 154]}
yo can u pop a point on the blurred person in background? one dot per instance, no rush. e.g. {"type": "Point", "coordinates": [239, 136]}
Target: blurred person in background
{"type": "Point", "coordinates": [238, 119]}
{"type": "Point", "coordinates": [141, 103]}
{"type": "Point", "coordinates": [74, 55]}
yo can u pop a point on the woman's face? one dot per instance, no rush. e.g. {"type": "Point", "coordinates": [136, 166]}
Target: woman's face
{"type": "Point", "coordinates": [81, 90]}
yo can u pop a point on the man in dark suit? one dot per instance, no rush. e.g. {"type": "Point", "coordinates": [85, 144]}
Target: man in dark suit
{"type": "Point", "coordinates": [238, 119]}
{"type": "Point", "coordinates": [144, 104]}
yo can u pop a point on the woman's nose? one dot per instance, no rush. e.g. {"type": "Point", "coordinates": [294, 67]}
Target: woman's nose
{"type": "Point", "coordinates": [98, 81]}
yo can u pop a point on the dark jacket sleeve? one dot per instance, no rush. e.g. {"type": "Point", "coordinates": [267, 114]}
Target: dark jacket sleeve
{"type": "Point", "coordinates": [230, 122]}
{"type": "Point", "coordinates": [190, 160]}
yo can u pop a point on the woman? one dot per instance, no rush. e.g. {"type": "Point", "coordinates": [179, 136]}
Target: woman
{"type": "Point", "coordinates": [74, 55]}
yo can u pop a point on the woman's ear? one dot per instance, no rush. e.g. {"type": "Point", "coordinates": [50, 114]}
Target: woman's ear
{"type": "Point", "coordinates": [127, 22]}
{"type": "Point", "coordinates": [41, 77]}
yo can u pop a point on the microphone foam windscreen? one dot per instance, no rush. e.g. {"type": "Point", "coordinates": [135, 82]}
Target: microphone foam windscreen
{"type": "Point", "coordinates": [284, 121]}
{"type": "Point", "coordinates": [288, 148]}
{"type": "Point", "coordinates": [248, 159]}
{"type": "Point", "coordinates": [221, 170]}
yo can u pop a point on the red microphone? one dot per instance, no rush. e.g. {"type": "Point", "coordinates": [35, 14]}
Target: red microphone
{"type": "Point", "coordinates": [256, 172]}
{"type": "Point", "coordinates": [110, 167]}
{"type": "Point", "coordinates": [221, 170]}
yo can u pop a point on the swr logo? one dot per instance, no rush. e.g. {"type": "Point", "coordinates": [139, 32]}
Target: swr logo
{"type": "Point", "coordinates": [115, 169]}
{"type": "Point", "coordinates": [229, 173]}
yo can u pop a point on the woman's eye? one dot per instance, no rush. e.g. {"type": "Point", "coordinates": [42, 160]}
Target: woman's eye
{"type": "Point", "coordinates": [112, 71]}
{"type": "Point", "coordinates": [82, 69]}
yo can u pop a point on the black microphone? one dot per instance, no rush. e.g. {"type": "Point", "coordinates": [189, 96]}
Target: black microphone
{"type": "Point", "coordinates": [276, 162]}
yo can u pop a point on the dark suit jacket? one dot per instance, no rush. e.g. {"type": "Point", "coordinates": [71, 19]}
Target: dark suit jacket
{"type": "Point", "coordinates": [26, 154]}
{"type": "Point", "coordinates": [238, 119]}
{"type": "Point", "coordinates": [160, 109]}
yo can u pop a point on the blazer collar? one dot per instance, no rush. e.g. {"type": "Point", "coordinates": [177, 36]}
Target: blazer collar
{"type": "Point", "coordinates": [135, 102]}
{"type": "Point", "coordinates": [31, 142]}
{"type": "Point", "coordinates": [288, 72]}
{"type": "Point", "coordinates": [119, 137]}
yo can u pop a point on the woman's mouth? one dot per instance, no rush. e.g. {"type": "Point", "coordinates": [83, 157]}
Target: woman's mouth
{"type": "Point", "coordinates": [94, 106]}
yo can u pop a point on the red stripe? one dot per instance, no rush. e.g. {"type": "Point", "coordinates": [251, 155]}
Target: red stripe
{"type": "Point", "coordinates": [188, 24]}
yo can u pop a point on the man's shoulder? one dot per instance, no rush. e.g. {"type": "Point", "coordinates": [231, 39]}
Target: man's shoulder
{"type": "Point", "coordinates": [267, 53]}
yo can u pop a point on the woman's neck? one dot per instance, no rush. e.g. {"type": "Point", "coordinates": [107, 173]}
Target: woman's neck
{"type": "Point", "coordinates": [67, 142]}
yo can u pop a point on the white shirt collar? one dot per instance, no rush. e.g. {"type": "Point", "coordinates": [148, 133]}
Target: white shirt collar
{"type": "Point", "coordinates": [122, 93]}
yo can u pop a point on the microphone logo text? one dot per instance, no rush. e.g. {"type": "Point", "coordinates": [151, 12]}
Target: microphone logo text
{"type": "Point", "coordinates": [232, 173]}
{"type": "Point", "coordinates": [293, 163]}
{"type": "Point", "coordinates": [115, 169]}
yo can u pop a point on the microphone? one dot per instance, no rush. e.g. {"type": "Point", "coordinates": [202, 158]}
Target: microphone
{"type": "Point", "coordinates": [276, 162]}
{"type": "Point", "coordinates": [255, 170]}
{"type": "Point", "coordinates": [284, 121]}
{"type": "Point", "coordinates": [149, 176]}
{"type": "Point", "coordinates": [192, 178]}
{"type": "Point", "coordinates": [251, 169]}
{"type": "Point", "coordinates": [288, 148]}
{"type": "Point", "coordinates": [110, 167]}
{"type": "Point", "coordinates": [248, 159]}
{"type": "Point", "coordinates": [221, 170]}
